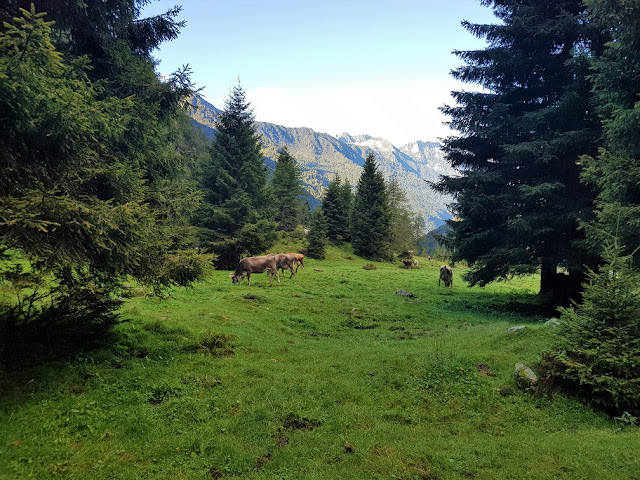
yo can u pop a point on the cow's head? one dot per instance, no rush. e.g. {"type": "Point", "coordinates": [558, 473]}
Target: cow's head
{"type": "Point", "coordinates": [236, 278]}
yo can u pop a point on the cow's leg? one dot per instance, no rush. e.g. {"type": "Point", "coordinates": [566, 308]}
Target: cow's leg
{"type": "Point", "coordinates": [277, 276]}
{"type": "Point", "coordinates": [249, 278]}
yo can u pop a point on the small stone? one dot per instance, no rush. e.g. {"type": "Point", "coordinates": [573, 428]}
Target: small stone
{"type": "Point", "coordinates": [404, 292]}
{"type": "Point", "coordinates": [516, 329]}
{"type": "Point", "coordinates": [553, 323]}
{"type": "Point", "coordinates": [524, 376]}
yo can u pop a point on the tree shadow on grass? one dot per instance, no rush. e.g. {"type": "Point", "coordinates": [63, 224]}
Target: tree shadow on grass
{"type": "Point", "coordinates": [526, 305]}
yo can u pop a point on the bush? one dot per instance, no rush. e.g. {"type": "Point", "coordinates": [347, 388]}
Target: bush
{"type": "Point", "coordinates": [76, 311]}
{"type": "Point", "coordinates": [598, 354]}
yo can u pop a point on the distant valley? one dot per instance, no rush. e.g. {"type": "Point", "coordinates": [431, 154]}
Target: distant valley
{"type": "Point", "coordinates": [322, 156]}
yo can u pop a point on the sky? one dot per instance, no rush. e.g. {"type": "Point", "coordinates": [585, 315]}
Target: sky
{"type": "Point", "coordinates": [371, 67]}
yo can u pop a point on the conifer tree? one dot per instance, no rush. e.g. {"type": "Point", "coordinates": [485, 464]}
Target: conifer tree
{"type": "Point", "coordinates": [287, 191]}
{"type": "Point", "coordinates": [598, 351]}
{"type": "Point", "coordinates": [405, 225]}
{"type": "Point", "coordinates": [86, 197]}
{"type": "Point", "coordinates": [518, 194]}
{"type": "Point", "coordinates": [347, 201]}
{"type": "Point", "coordinates": [317, 238]}
{"type": "Point", "coordinates": [371, 227]}
{"type": "Point", "coordinates": [236, 216]}
{"type": "Point", "coordinates": [615, 171]}
{"type": "Point", "coordinates": [336, 206]}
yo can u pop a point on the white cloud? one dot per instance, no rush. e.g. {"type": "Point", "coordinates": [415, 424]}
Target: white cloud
{"type": "Point", "coordinates": [400, 112]}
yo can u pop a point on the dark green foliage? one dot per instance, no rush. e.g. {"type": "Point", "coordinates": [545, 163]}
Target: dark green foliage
{"type": "Point", "coordinates": [616, 170]}
{"type": "Point", "coordinates": [598, 352]}
{"type": "Point", "coordinates": [115, 39]}
{"type": "Point", "coordinates": [287, 191]}
{"type": "Point", "coordinates": [317, 238]}
{"type": "Point", "coordinates": [518, 197]}
{"type": "Point", "coordinates": [598, 356]}
{"type": "Point", "coordinates": [93, 183]}
{"type": "Point", "coordinates": [371, 225]}
{"type": "Point", "coordinates": [405, 225]}
{"type": "Point", "coordinates": [336, 205]}
{"type": "Point", "coordinates": [235, 217]}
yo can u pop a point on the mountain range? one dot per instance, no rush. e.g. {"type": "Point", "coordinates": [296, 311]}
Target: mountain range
{"type": "Point", "coordinates": [322, 156]}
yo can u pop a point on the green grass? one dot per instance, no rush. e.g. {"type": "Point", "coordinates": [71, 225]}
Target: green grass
{"type": "Point", "coordinates": [328, 376]}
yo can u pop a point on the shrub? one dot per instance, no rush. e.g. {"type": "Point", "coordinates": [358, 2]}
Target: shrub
{"type": "Point", "coordinates": [76, 310]}
{"type": "Point", "coordinates": [598, 353]}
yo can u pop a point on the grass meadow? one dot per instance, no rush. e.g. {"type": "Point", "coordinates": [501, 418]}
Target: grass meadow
{"type": "Point", "coordinates": [331, 375]}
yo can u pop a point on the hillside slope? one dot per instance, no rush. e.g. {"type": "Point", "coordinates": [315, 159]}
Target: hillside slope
{"type": "Point", "coordinates": [322, 156]}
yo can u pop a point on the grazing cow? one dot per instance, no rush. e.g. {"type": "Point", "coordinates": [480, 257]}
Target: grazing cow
{"type": "Point", "coordinates": [407, 262]}
{"type": "Point", "coordinates": [446, 275]}
{"type": "Point", "coordinates": [288, 261]}
{"type": "Point", "coordinates": [250, 265]}
{"type": "Point", "coordinates": [415, 263]}
{"type": "Point", "coordinates": [299, 258]}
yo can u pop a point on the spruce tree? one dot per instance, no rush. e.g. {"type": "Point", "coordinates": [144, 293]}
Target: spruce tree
{"type": "Point", "coordinates": [287, 191]}
{"type": "Point", "coordinates": [86, 195]}
{"type": "Point", "coordinates": [371, 227]}
{"type": "Point", "coordinates": [615, 171]}
{"type": "Point", "coordinates": [405, 225]}
{"type": "Point", "coordinates": [237, 211]}
{"type": "Point", "coordinates": [336, 205]}
{"type": "Point", "coordinates": [598, 351]}
{"type": "Point", "coordinates": [317, 238]}
{"type": "Point", "coordinates": [518, 195]}
{"type": "Point", "coordinates": [346, 201]}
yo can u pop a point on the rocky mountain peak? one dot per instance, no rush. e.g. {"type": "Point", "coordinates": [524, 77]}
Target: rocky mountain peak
{"type": "Point", "coordinates": [322, 156]}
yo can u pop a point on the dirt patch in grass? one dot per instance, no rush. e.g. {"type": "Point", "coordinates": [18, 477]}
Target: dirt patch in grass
{"type": "Point", "coordinates": [484, 369]}
{"type": "Point", "coordinates": [215, 473]}
{"type": "Point", "coordinates": [254, 298]}
{"type": "Point", "coordinates": [298, 423]}
{"type": "Point", "coordinates": [263, 460]}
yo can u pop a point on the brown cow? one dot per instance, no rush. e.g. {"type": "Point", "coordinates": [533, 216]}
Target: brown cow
{"type": "Point", "coordinates": [407, 263]}
{"type": "Point", "coordinates": [250, 265]}
{"type": "Point", "coordinates": [288, 261]}
{"type": "Point", "coordinates": [446, 275]}
{"type": "Point", "coordinates": [300, 258]}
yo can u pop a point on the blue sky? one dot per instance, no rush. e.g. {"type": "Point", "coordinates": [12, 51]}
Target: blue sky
{"type": "Point", "coordinates": [376, 67]}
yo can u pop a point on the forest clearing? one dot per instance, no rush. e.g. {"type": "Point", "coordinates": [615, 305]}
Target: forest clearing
{"type": "Point", "coordinates": [330, 375]}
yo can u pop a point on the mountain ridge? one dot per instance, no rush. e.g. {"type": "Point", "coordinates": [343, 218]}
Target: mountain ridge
{"type": "Point", "coordinates": [322, 156]}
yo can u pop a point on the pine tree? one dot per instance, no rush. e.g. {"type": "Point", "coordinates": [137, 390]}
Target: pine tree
{"type": "Point", "coordinates": [598, 352]}
{"type": "Point", "coordinates": [405, 225]}
{"type": "Point", "coordinates": [80, 197]}
{"type": "Point", "coordinates": [518, 196]}
{"type": "Point", "coordinates": [336, 205]}
{"type": "Point", "coordinates": [287, 191]}
{"type": "Point", "coordinates": [347, 201]}
{"type": "Point", "coordinates": [317, 238]}
{"type": "Point", "coordinates": [615, 172]}
{"type": "Point", "coordinates": [371, 227]}
{"type": "Point", "coordinates": [237, 209]}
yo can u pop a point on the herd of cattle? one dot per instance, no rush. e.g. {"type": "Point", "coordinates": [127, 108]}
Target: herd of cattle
{"type": "Point", "coordinates": [292, 261]}
{"type": "Point", "coordinates": [268, 263]}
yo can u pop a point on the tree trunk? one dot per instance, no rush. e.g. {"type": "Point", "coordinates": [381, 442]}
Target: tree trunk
{"type": "Point", "coordinates": [559, 289]}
